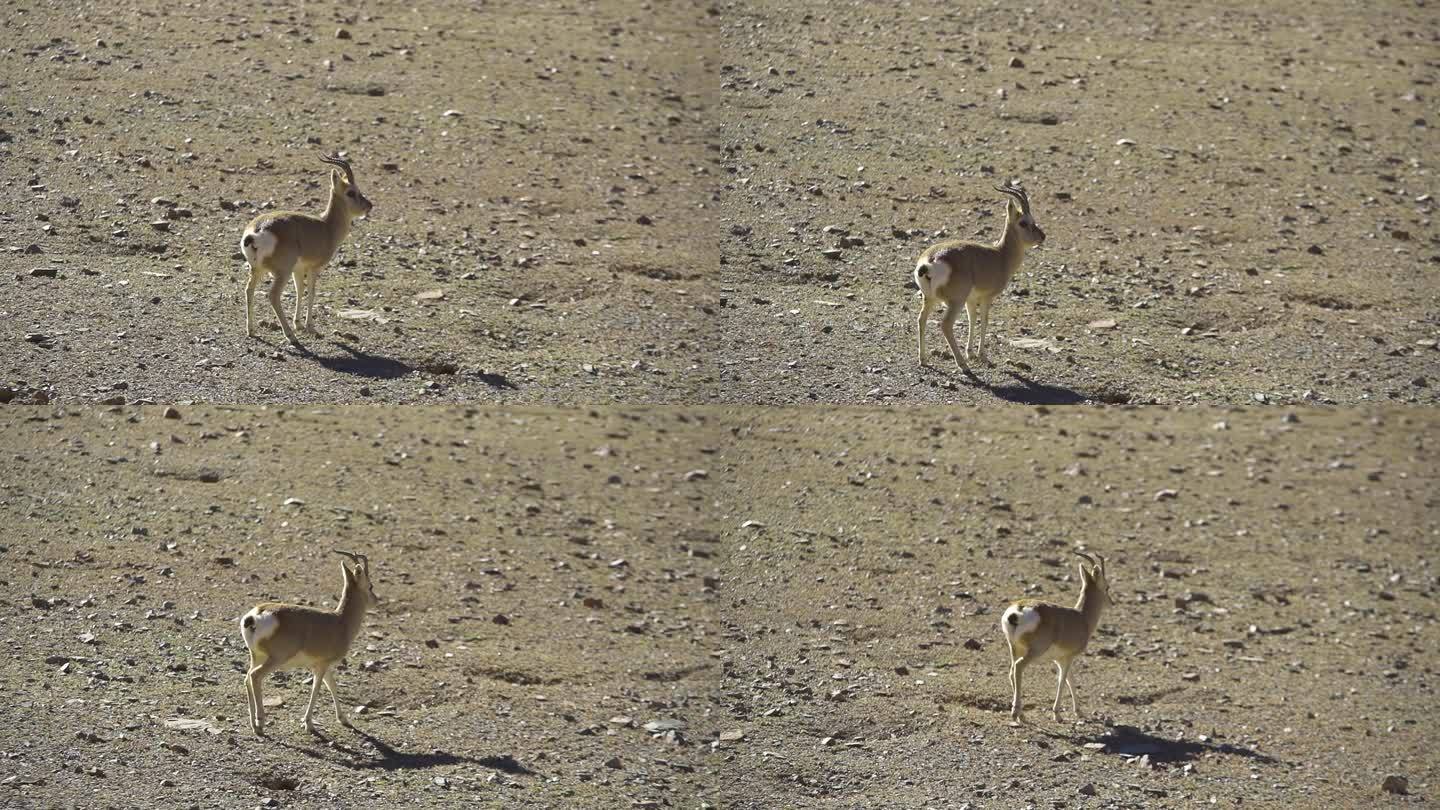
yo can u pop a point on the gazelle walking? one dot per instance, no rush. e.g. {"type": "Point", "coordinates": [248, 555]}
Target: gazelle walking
{"type": "Point", "coordinates": [289, 244]}
{"type": "Point", "coordinates": [289, 636]}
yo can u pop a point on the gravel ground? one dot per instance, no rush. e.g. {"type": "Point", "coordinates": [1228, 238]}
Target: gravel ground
{"type": "Point", "coordinates": [1238, 203]}
{"type": "Point", "coordinates": [536, 234]}
{"type": "Point", "coordinates": [810, 600]}
{"type": "Point", "coordinates": [607, 237]}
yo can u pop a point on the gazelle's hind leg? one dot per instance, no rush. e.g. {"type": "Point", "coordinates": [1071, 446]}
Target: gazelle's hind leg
{"type": "Point", "coordinates": [283, 274]}
{"type": "Point", "coordinates": [257, 272]}
{"type": "Point", "coordinates": [311, 280]}
{"type": "Point", "coordinates": [250, 694]}
{"type": "Point", "coordinates": [926, 308]}
{"type": "Point", "coordinates": [947, 326]}
{"type": "Point", "coordinates": [255, 679]}
{"type": "Point", "coordinates": [1017, 670]}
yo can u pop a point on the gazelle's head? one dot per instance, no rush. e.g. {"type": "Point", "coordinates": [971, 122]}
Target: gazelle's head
{"type": "Point", "coordinates": [1020, 217]}
{"type": "Point", "coordinates": [344, 189]}
{"type": "Point", "coordinates": [1093, 584]}
{"type": "Point", "coordinates": [357, 576]}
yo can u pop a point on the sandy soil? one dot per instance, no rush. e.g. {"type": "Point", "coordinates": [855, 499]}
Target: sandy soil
{"type": "Point", "coordinates": [1238, 202]}
{"type": "Point", "coordinates": [537, 235]}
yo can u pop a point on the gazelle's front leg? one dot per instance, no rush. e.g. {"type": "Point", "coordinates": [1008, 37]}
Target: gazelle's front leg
{"type": "Point", "coordinates": [984, 329]}
{"type": "Point", "coordinates": [311, 279]}
{"type": "Point", "coordinates": [330, 685]}
{"type": "Point", "coordinates": [317, 677]}
{"type": "Point", "coordinates": [1063, 665]}
{"type": "Point", "coordinates": [1070, 684]}
{"type": "Point", "coordinates": [970, 329]}
{"type": "Point", "coordinates": [299, 282]}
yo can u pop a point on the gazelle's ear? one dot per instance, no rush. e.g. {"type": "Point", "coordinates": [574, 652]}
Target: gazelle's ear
{"type": "Point", "coordinates": [335, 178]}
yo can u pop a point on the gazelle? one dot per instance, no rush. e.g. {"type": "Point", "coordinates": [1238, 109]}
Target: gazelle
{"type": "Point", "coordinates": [290, 636]}
{"type": "Point", "coordinates": [1039, 631]}
{"type": "Point", "coordinates": [958, 273]}
{"type": "Point", "coordinates": [289, 244]}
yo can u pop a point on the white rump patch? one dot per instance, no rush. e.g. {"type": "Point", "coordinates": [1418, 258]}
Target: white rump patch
{"type": "Point", "coordinates": [263, 626]}
{"type": "Point", "coordinates": [1029, 619]}
{"type": "Point", "coordinates": [939, 273]}
{"type": "Point", "coordinates": [262, 244]}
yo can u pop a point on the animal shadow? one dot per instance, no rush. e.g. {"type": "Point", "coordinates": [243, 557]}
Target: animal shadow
{"type": "Point", "coordinates": [385, 757]}
{"type": "Point", "coordinates": [1026, 391]}
{"type": "Point", "coordinates": [364, 364]}
{"type": "Point", "coordinates": [1131, 741]}
{"type": "Point", "coordinates": [494, 380]}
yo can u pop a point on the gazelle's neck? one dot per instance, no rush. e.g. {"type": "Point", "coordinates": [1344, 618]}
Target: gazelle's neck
{"type": "Point", "coordinates": [352, 606]}
{"type": "Point", "coordinates": [1090, 604]}
{"type": "Point", "coordinates": [1012, 246]}
{"type": "Point", "coordinates": [337, 217]}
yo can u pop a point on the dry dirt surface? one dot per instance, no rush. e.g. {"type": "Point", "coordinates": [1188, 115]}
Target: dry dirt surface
{"type": "Point", "coordinates": [544, 580]}
{"type": "Point", "coordinates": [1239, 199]}
{"type": "Point", "coordinates": [804, 605]}
{"type": "Point", "coordinates": [1273, 642]}
{"type": "Point", "coordinates": [538, 234]}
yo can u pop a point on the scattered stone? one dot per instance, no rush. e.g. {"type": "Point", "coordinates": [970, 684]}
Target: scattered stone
{"type": "Point", "coordinates": [663, 725]}
{"type": "Point", "coordinates": [1394, 783]}
{"type": "Point", "coordinates": [171, 412]}
{"type": "Point", "coordinates": [44, 272]}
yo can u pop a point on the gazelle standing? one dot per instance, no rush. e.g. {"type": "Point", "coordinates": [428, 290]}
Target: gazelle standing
{"type": "Point", "coordinates": [1040, 631]}
{"type": "Point", "coordinates": [960, 273]}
